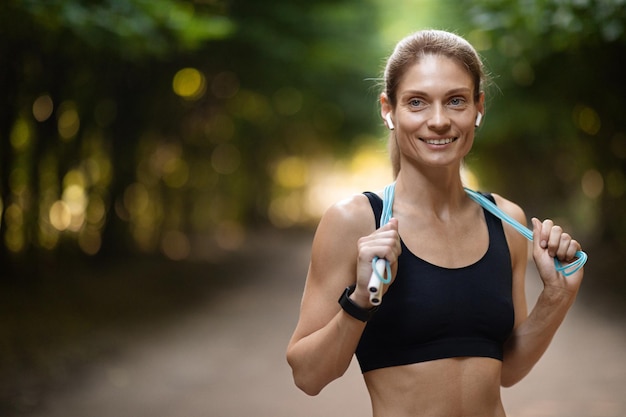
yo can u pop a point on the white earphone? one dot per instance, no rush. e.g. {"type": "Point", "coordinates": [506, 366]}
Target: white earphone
{"type": "Point", "coordinates": [389, 122]}
{"type": "Point", "coordinates": [479, 117]}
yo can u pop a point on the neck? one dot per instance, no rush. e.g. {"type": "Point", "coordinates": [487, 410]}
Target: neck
{"type": "Point", "coordinates": [441, 194]}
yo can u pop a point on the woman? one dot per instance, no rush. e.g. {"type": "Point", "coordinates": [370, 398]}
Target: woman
{"type": "Point", "coordinates": [453, 324]}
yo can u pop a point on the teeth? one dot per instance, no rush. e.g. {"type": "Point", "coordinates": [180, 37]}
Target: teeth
{"type": "Point", "coordinates": [439, 141]}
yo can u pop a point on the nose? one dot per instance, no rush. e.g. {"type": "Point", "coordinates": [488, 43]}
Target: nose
{"type": "Point", "coordinates": [438, 119]}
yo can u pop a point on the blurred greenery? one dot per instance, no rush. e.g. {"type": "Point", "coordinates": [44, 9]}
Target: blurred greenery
{"type": "Point", "coordinates": [555, 136]}
{"type": "Point", "coordinates": [135, 125]}
{"type": "Point", "coordinates": [172, 128]}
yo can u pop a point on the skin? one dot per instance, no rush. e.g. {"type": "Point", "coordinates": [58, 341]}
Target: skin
{"type": "Point", "coordinates": [434, 129]}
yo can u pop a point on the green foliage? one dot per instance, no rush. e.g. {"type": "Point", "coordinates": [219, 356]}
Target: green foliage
{"type": "Point", "coordinates": [555, 138]}
{"type": "Point", "coordinates": [141, 124]}
{"type": "Point", "coordinates": [561, 25]}
{"type": "Point", "coordinates": [136, 28]}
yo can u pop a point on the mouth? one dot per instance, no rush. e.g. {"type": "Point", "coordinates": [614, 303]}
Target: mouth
{"type": "Point", "coordinates": [441, 141]}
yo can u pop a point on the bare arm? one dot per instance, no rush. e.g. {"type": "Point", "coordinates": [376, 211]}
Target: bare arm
{"type": "Point", "coordinates": [532, 335]}
{"type": "Point", "coordinates": [325, 337]}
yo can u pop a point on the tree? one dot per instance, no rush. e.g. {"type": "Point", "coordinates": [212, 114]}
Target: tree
{"type": "Point", "coordinates": [556, 138]}
{"type": "Point", "coordinates": [133, 125]}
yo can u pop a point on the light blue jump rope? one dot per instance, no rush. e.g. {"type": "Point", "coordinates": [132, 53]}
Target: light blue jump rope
{"type": "Point", "coordinates": [380, 265]}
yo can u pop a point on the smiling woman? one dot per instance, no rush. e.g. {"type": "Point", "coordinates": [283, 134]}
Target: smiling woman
{"type": "Point", "coordinates": [435, 107]}
{"type": "Point", "coordinates": [453, 325]}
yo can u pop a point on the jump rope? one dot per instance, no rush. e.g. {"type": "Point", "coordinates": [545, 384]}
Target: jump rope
{"type": "Point", "coordinates": [381, 273]}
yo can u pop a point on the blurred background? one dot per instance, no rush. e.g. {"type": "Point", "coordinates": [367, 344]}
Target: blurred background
{"type": "Point", "coordinates": [151, 149]}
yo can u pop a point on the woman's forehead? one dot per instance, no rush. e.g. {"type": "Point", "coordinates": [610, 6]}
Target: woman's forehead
{"type": "Point", "coordinates": [436, 72]}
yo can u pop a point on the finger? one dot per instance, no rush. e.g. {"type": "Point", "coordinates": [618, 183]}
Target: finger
{"type": "Point", "coordinates": [574, 247]}
{"type": "Point", "coordinates": [538, 240]}
{"type": "Point", "coordinates": [546, 228]}
{"type": "Point", "coordinates": [564, 247]}
{"type": "Point", "coordinates": [391, 225]}
{"type": "Point", "coordinates": [554, 239]}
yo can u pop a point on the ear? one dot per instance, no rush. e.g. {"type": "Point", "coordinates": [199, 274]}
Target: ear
{"type": "Point", "coordinates": [480, 106]}
{"type": "Point", "coordinates": [385, 111]}
{"type": "Point", "coordinates": [479, 117]}
{"type": "Point", "coordinates": [389, 121]}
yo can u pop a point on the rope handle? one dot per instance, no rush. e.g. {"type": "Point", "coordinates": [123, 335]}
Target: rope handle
{"type": "Point", "coordinates": [382, 265]}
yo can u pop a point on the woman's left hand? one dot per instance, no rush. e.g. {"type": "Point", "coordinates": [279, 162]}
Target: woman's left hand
{"type": "Point", "coordinates": [549, 242]}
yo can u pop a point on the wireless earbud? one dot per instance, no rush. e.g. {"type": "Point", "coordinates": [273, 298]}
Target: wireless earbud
{"type": "Point", "coordinates": [389, 122]}
{"type": "Point", "coordinates": [479, 117]}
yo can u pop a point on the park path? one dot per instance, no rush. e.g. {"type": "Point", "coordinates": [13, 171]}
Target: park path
{"type": "Point", "coordinates": [226, 359]}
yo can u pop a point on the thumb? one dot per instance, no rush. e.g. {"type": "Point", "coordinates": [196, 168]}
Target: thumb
{"type": "Point", "coordinates": [537, 239]}
{"type": "Point", "coordinates": [392, 225]}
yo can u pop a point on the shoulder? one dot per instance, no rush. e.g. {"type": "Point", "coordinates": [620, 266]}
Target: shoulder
{"type": "Point", "coordinates": [334, 252]}
{"type": "Point", "coordinates": [517, 242]}
{"type": "Point", "coordinates": [352, 216]}
{"type": "Point", "coordinates": [510, 208]}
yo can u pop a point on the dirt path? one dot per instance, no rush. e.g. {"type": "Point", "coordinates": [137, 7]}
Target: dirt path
{"type": "Point", "coordinates": [227, 360]}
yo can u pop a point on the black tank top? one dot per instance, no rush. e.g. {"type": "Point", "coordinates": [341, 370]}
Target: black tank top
{"type": "Point", "coordinates": [432, 312]}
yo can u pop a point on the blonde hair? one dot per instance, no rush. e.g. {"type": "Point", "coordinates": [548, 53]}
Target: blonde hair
{"type": "Point", "coordinates": [410, 50]}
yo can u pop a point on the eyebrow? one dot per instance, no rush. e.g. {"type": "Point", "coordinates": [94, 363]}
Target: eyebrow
{"type": "Point", "coordinates": [459, 90]}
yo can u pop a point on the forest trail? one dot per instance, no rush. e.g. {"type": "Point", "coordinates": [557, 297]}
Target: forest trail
{"type": "Point", "coordinates": [226, 358]}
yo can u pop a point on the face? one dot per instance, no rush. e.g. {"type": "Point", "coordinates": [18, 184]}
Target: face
{"type": "Point", "coordinates": [435, 113]}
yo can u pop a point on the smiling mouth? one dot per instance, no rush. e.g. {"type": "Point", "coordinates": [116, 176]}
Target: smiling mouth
{"type": "Point", "coordinates": [444, 141]}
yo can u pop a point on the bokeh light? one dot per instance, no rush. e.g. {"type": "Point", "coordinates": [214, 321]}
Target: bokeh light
{"type": "Point", "coordinates": [60, 215]}
{"type": "Point", "coordinates": [251, 106]}
{"type": "Point", "coordinates": [291, 172]}
{"type": "Point", "coordinates": [175, 172]}
{"type": "Point", "coordinates": [68, 122]}
{"type": "Point", "coordinates": [21, 134]}
{"type": "Point", "coordinates": [43, 106]}
{"type": "Point", "coordinates": [587, 119]}
{"type": "Point", "coordinates": [592, 183]}
{"type": "Point", "coordinates": [189, 83]}
{"type": "Point", "coordinates": [175, 245]}
{"type": "Point", "coordinates": [616, 183]}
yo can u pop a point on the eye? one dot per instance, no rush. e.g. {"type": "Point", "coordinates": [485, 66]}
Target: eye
{"type": "Point", "coordinates": [416, 102]}
{"type": "Point", "coordinates": [458, 101]}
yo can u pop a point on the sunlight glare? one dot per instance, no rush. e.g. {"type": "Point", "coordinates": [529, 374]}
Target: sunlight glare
{"type": "Point", "coordinates": [332, 181]}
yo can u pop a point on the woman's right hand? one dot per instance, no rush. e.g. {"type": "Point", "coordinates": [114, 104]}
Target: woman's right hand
{"type": "Point", "coordinates": [384, 243]}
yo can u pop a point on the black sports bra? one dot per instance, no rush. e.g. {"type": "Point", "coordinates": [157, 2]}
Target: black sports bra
{"type": "Point", "coordinates": [432, 312]}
